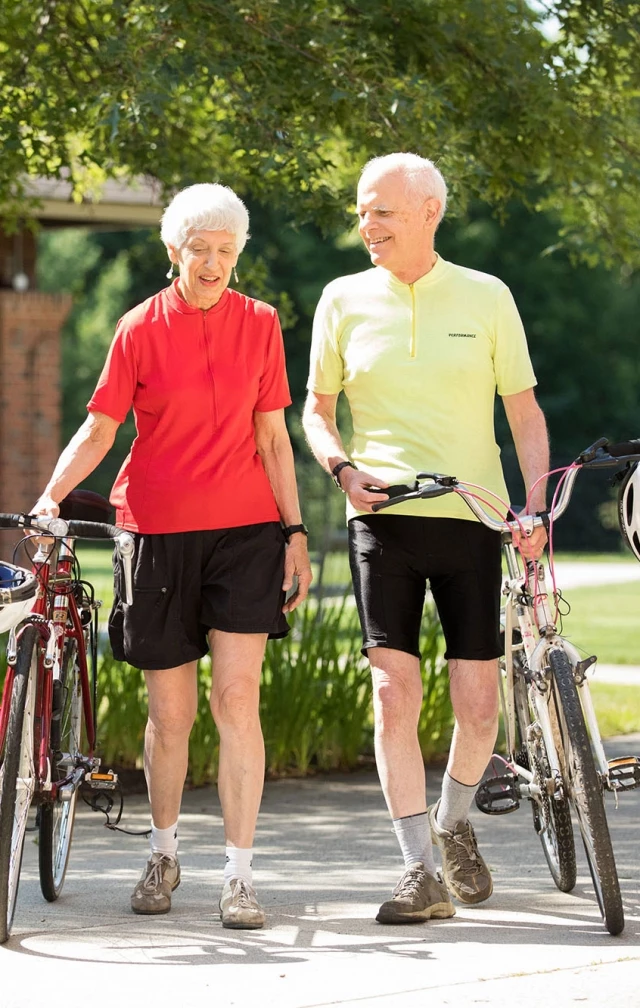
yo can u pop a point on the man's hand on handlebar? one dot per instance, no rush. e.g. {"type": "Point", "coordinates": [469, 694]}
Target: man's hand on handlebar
{"type": "Point", "coordinates": [356, 484]}
{"type": "Point", "coordinates": [533, 545]}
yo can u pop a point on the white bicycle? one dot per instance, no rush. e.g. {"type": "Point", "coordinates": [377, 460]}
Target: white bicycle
{"type": "Point", "coordinates": [555, 757]}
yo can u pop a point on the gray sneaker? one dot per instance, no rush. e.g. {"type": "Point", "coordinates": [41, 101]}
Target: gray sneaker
{"type": "Point", "coordinates": [161, 876]}
{"type": "Point", "coordinates": [417, 897]}
{"type": "Point", "coordinates": [464, 870]}
{"type": "Point", "coordinates": [239, 907]}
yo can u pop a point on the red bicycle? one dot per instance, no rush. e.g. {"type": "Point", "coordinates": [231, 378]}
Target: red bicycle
{"type": "Point", "coordinates": [48, 710]}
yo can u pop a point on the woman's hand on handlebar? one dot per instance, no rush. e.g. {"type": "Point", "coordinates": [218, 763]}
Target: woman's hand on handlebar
{"type": "Point", "coordinates": [45, 505]}
{"type": "Point", "coordinates": [356, 484]}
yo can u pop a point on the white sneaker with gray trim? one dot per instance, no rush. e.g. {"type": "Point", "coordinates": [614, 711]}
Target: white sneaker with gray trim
{"type": "Point", "coordinates": [239, 907]}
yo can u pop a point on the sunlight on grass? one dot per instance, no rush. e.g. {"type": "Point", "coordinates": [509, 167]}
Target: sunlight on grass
{"type": "Point", "coordinates": [617, 708]}
{"type": "Point", "coordinates": [605, 621]}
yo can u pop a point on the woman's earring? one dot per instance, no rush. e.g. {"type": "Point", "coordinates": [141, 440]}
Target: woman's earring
{"type": "Point", "coordinates": [170, 272]}
{"type": "Point", "coordinates": [235, 275]}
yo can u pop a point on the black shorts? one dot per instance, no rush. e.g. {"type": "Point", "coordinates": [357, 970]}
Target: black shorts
{"type": "Point", "coordinates": [187, 583]}
{"type": "Point", "coordinates": [393, 556]}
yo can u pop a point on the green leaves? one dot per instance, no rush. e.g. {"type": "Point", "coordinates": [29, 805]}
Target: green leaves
{"type": "Point", "coordinates": [275, 98]}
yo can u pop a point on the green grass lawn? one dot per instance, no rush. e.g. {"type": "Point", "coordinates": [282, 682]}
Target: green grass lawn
{"type": "Point", "coordinates": [605, 621]}
{"type": "Point", "coordinates": [617, 708]}
{"type": "Point", "coordinates": [96, 567]}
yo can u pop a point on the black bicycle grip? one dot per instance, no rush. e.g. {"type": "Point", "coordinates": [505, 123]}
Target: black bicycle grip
{"type": "Point", "coordinates": [92, 530]}
{"type": "Point", "coordinates": [624, 448]}
{"type": "Point", "coordinates": [11, 521]}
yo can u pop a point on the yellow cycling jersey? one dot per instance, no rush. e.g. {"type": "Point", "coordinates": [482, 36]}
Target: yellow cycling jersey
{"type": "Point", "coordinates": [420, 365]}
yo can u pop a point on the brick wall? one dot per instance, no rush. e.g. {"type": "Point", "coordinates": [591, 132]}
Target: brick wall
{"type": "Point", "coordinates": [30, 326]}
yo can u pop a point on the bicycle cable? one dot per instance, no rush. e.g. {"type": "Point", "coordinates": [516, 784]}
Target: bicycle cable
{"type": "Point", "coordinates": [106, 798]}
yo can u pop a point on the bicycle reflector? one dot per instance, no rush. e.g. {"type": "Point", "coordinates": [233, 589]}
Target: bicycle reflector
{"type": "Point", "coordinates": [18, 589]}
{"type": "Point", "coordinates": [629, 508]}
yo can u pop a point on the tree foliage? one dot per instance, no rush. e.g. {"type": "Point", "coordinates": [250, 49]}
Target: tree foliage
{"type": "Point", "coordinates": [284, 99]}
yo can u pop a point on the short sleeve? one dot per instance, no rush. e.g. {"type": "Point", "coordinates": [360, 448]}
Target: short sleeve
{"type": "Point", "coordinates": [273, 392]}
{"type": "Point", "coordinates": [512, 364]}
{"type": "Point", "coordinates": [326, 367]}
{"type": "Point", "coordinates": [116, 386]}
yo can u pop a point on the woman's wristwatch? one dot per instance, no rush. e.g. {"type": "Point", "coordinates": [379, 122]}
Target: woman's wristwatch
{"type": "Point", "coordinates": [290, 529]}
{"type": "Point", "coordinates": [335, 472]}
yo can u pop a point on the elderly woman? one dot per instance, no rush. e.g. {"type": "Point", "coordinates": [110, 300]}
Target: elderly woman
{"type": "Point", "coordinates": [209, 490]}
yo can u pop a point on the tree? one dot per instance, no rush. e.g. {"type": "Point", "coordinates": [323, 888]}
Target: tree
{"type": "Point", "coordinates": [284, 99]}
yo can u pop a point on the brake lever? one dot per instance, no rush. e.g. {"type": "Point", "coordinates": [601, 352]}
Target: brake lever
{"type": "Point", "coordinates": [590, 454]}
{"type": "Point", "coordinates": [125, 545]}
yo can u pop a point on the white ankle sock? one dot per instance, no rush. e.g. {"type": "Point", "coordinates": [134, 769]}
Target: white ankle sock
{"type": "Point", "coordinates": [164, 841]}
{"type": "Point", "coordinates": [238, 863]}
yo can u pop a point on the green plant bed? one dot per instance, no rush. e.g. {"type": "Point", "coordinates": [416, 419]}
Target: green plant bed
{"type": "Point", "coordinates": [315, 703]}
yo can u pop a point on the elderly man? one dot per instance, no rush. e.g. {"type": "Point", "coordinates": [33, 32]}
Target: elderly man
{"type": "Point", "coordinates": [420, 346]}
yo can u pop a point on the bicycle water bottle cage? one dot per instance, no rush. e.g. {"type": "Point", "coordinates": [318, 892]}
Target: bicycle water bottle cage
{"type": "Point", "coordinates": [498, 795]}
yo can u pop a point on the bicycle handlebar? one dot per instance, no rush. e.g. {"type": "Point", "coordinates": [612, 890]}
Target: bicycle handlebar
{"type": "Point", "coordinates": [599, 455]}
{"type": "Point", "coordinates": [74, 528]}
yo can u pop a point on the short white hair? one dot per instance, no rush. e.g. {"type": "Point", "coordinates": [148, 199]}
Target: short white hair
{"type": "Point", "coordinates": [422, 178]}
{"type": "Point", "coordinates": [206, 206]}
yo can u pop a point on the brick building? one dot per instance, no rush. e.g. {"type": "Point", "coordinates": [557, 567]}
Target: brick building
{"type": "Point", "coordinates": [30, 325]}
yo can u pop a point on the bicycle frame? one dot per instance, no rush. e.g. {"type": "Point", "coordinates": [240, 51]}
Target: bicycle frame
{"type": "Point", "coordinates": [57, 620]}
{"type": "Point", "coordinates": [533, 613]}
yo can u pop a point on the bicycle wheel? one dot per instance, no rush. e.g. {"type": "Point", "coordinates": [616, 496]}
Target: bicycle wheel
{"type": "Point", "coordinates": [551, 813]}
{"type": "Point", "coordinates": [586, 793]}
{"type": "Point", "coordinates": [56, 818]}
{"type": "Point", "coordinates": [17, 775]}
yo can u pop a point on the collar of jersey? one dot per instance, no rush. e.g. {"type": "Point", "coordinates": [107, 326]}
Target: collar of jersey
{"type": "Point", "coordinates": [435, 274]}
{"type": "Point", "coordinates": [179, 304]}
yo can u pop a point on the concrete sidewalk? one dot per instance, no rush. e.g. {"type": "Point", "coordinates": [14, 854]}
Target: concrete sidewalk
{"type": "Point", "coordinates": [325, 858]}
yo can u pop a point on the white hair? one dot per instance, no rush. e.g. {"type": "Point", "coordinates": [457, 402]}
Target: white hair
{"type": "Point", "coordinates": [205, 207]}
{"type": "Point", "coordinates": [422, 178]}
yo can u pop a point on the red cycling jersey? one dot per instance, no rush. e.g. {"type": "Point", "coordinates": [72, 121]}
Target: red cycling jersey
{"type": "Point", "coordinates": [194, 379]}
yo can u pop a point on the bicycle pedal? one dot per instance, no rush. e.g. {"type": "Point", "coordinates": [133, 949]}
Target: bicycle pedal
{"type": "Point", "coordinates": [624, 773]}
{"type": "Point", "coordinates": [102, 781]}
{"type": "Point", "coordinates": [498, 795]}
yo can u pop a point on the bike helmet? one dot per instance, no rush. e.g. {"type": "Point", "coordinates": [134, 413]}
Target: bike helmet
{"type": "Point", "coordinates": [18, 590]}
{"type": "Point", "coordinates": [629, 507]}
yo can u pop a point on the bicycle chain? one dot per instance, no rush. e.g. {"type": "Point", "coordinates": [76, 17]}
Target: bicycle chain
{"type": "Point", "coordinates": [541, 777]}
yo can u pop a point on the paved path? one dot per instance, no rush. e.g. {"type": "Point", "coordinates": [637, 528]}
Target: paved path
{"type": "Point", "coordinates": [576, 574]}
{"type": "Point", "coordinates": [326, 857]}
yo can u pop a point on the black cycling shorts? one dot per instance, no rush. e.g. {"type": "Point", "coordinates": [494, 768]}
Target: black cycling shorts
{"type": "Point", "coordinates": [393, 557]}
{"type": "Point", "coordinates": [187, 583]}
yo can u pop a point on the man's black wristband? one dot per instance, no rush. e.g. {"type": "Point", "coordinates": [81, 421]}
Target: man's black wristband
{"type": "Point", "coordinates": [335, 472]}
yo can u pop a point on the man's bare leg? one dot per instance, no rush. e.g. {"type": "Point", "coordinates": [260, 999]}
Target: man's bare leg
{"type": "Point", "coordinates": [397, 700]}
{"type": "Point", "coordinates": [474, 697]}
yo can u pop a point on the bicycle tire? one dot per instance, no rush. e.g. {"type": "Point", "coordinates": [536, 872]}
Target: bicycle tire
{"type": "Point", "coordinates": [586, 793]}
{"type": "Point", "coordinates": [56, 818]}
{"type": "Point", "coordinates": [551, 815]}
{"type": "Point", "coordinates": [17, 775]}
